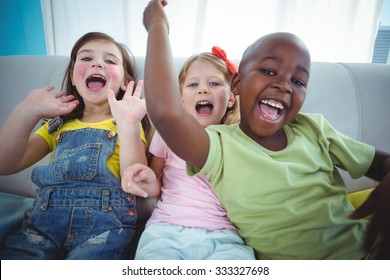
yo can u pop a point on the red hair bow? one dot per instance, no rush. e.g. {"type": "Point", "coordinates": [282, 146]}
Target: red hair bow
{"type": "Point", "coordinates": [217, 51]}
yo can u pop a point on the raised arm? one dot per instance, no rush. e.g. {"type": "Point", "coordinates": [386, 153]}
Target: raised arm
{"type": "Point", "coordinates": [128, 114]}
{"type": "Point", "coordinates": [19, 150]}
{"type": "Point", "coordinates": [182, 133]}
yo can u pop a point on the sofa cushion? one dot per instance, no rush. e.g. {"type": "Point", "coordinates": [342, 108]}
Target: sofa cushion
{"type": "Point", "coordinates": [12, 213]}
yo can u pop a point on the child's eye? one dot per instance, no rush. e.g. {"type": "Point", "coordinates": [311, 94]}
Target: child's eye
{"type": "Point", "coordinates": [109, 61]}
{"type": "Point", "coordinates": [214, 84]}
{"type": "Point", "coordinates": [268, 72]}
{"type": "Point", "coordinates": [193, 85]}
{"type": "Point", "coordinates": [86, 58]}
{"type": "Point", "coordinates": [298, 82]}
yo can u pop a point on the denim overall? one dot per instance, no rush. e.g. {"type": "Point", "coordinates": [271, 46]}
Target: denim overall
{"type": "Point", "coordinates": [81, 211]}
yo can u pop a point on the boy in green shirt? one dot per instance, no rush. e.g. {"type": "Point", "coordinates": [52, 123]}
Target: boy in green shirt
{"type": "Point", "coordinates": [275, 172]}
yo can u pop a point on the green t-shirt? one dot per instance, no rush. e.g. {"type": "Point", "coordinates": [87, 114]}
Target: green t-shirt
{"type": "Point", "coordinates": [290, 204]}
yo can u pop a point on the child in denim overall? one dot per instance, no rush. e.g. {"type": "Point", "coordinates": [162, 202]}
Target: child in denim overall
{"type": "Point", "coordinates": [81, 211]}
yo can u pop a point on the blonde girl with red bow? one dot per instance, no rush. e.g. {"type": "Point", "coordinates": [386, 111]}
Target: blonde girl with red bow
{"type": "Point", "coordinates": [188, 221]}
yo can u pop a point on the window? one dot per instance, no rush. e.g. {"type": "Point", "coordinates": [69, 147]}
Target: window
{"type": "Point", "coordinates": [382, 41]}
{"type": "Point", "coordinates": [334, 30]}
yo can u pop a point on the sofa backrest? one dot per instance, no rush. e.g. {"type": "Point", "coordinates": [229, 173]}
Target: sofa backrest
{"type": "Point", "coordinates": [354, 97]}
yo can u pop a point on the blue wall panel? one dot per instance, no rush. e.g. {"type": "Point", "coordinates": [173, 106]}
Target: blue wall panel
{"type": "Point", "coordinates": [21, 28]}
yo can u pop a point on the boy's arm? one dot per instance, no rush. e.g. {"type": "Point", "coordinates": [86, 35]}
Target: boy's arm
{"type": "Point", "coordinates": [380, 166]}
{"type": "Point", "coordinates": [378, 204]}
{"type": "Point", "coordinates": [182, 133]}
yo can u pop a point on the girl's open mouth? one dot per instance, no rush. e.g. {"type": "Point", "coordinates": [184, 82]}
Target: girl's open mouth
{"type": "Point", "coordinates": [204, 107]}
{"type": "Point", "coordinates": [95, 82]}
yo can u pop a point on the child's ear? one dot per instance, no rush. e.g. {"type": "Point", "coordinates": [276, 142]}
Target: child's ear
{"type": "Point", "coordinates": [124, 85]}
{"type": "Point", "coordinates": [236, 83]}
{"type": "Point", "coordinates": [232, 100]}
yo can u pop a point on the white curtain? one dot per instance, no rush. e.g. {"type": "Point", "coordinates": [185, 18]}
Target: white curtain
{"type": "Point", "coordinates": [334, 30]}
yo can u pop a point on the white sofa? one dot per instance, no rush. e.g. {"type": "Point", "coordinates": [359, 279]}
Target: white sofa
{"type": "Point", "coordinates": [354, 97]}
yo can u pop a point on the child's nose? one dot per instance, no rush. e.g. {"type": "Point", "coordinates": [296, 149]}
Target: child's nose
{"type": "Point", "coordinates": [97, 63]}
{"type": "Point", "coordinates": [203, 89]}
{"type": "Point", "coordinates": [283, 85]}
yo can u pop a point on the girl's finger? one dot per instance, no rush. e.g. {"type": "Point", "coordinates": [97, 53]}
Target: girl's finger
{"type": "Point", "coordinates": [128, 183]}
{"type": "Point", "coordinates": [58, 94]}
{"type": "Point", "coordinates": [138, 90]}
{"type": "Point", "coordinates": [49, 88]}
{"type": "Point", "coordinates": [135, 189]}
{"type": "Point", "coordinates": [129, 89]}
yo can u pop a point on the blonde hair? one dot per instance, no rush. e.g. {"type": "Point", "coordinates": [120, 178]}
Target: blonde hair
{"type": "Point", "coordinates": [232, 115]}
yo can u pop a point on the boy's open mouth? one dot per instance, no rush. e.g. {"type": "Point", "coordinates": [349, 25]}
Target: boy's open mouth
{"type": "Point", "coordinates": [270, 109]}
{"type": "Point", "coordinates": [204, 107]}
{"type": "Point", "coordinates": [95, 82]}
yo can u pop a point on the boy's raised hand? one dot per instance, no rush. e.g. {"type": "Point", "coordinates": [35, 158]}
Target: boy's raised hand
{"type": "Point", "coordinates": [131, 109]}
{"type": "Point", "coordinates": [154, 13]}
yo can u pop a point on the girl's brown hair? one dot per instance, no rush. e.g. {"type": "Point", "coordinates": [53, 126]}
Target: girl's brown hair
{"type": "Point", "coordinates": [232, 115]}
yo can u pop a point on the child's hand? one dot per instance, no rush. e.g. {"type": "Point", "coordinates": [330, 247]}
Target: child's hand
{"type": "Point", "coordinates": [43, 104]}
{"type": "Point", "coordinates": [131, 109]}
{"type": "Point", "coordinates": [140, 180]}
{"type": "Point", "coordinates": [378, 232]}
{"type": "Point", "coordinates": [154, 14]}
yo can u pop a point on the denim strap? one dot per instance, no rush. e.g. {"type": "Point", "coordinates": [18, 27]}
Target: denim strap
{"type": "Point", "coordinates": [55, 124]}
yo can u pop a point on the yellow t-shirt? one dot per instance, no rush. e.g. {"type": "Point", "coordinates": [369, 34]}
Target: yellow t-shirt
{"type": "Point", "coordinates": [113, 161]}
